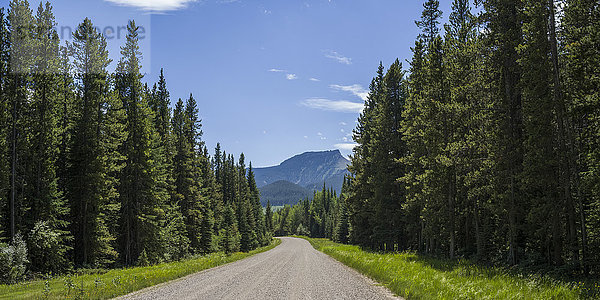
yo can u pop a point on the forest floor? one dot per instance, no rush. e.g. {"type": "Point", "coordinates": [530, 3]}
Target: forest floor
{"type": "Point", "coordinates": [106, 284]}
{"type": "Point", "coordinates": [415, 277]}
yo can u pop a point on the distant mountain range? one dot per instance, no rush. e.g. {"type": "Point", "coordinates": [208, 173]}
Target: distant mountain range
{"type": "Point", "coordinates": [299, 176]}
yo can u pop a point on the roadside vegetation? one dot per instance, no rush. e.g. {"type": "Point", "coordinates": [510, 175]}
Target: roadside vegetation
{"type": "Point", "coordinates": [106, 284]}
{"type": "Point", "coordinates": [418, 277]}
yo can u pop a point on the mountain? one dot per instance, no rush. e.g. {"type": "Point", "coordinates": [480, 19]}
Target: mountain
{"type": "Point", "coordinates": [308, 170]}
{"type": "Point", "coordinates": [283, 192]}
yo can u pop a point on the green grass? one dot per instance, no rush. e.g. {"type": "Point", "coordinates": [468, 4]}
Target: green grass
{"type": "Point", "coordinates": [414, 277]}
{"type": "Point", "coordinates": [117, 282]}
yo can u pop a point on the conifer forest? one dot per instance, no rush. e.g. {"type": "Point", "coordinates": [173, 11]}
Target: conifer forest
{"type": "Point", "coordinates": [485, 145]}
{"type": "Point", "coordinates": [97, 169]}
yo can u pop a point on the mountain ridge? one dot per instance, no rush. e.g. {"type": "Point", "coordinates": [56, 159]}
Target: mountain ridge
{"type": "Point", "coordinates": [309, 170]}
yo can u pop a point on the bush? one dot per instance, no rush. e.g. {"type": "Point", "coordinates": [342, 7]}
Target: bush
{"type": "Point", "coordinates": [301, 230]}
{"type": "Point", "coordinates": [13, 260]}
{"type": "Point", "coordinates": [46, 249]}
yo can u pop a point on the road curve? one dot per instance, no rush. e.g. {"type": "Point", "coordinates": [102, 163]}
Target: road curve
{"type": "Point", "coordinates": [292, 270]}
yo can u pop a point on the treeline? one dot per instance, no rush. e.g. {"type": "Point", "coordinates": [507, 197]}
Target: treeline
{"type": "Point", "coordinates": [323, 216]}
{"type": "Point", "coordinates": [489, 146]}
{"type": "Point", "coordinates": [96, 169]}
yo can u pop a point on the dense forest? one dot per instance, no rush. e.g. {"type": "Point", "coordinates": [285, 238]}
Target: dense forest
{"type": "Point", "coordinates": [96, 169]}
{"type": "Point", "coordinates": [488, 147]}
{"type": "Point", "coordinates": [323, 216]}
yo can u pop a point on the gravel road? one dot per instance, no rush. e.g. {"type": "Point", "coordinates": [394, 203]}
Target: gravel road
{"type": "Point", "coordinates": [292, 270]}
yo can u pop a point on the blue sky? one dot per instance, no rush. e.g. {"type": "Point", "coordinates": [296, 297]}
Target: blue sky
{"type": "Point", "coordinates": [272, 78]}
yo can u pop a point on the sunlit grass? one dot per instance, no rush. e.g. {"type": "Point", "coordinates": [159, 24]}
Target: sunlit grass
{"type": "Point", "coordinates": [414, 277]}
{"type": "Point", "coordinates": [112, 283]}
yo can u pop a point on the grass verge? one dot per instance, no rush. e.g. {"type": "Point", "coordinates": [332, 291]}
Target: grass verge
{"type": "Point", "coordinates": [414, 277]}
{"type": "Point", "coordinates": [119, 282]}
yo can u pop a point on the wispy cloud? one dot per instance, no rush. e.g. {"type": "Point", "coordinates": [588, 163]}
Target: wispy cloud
{"type": "Point", "coordinates": [346, 146]}
{"type": "Point", "coordinates": [154, 5]}
{"type": "Point", "coordinates": [355, 89]}
{"type": "Point", "coordinates": [338, 57]}
{"type": "Point", "coordinates": [276, 70]}
{"type": "Point", "coordinates": [314, 79]}
{"type": "Point", "coordinates": [291, 76]}
{"type": "Point", "coordinates": [333, 105]}
{"type": "Point", "coordinates": [343, 123]}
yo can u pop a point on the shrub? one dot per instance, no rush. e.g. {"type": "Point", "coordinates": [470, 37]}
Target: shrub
{"type": "Point", "coordinates": [46, 249]}
{"type": "Point", "coordinates": [13, 260]}
{"type": "Point", "coordinates": [301, 230]}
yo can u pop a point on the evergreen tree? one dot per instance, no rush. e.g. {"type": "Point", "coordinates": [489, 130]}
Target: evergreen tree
{"type": "Point", "coordinates": [230, 236]}
{"type": "Point", "coordinates": [541, 164]}
{"type": "Point", "coordinates": [186, 130]}
{"type": "Point", "coordinates": [46, 201]}
{"type": "Point", "coordinates": [579, 38]}
{"type": "Point", "coordinates": [413, 134]}
{"type": "Point", "coordinates": [4, 123]}
{"type": "Point", "coordinates": [65, 110]}
{"type": "Point", "coordinates": [503, 21]}
{"type": "Point", "coordinates": [142, 196]}
{"type": "Point", "coordinates": [429, 21]}
{"type": "Point", "coordinates": [388, 148]}
{"type": "Point", "coordinates": [86, 170]}
{"type": "Point", "coordinates": [359, 207]}
{"type": "Point", "coordinates": [17, 84]}
{"type": "Point", "coordinates": [245, 214]}
{"type": "Point", "coordinates": [260, 229]}
{"type": "Point", "coordinates": [269, 217]}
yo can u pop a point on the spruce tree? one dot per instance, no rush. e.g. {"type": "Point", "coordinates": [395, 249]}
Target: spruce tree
{"type": "Point", "coordinates": [20, 29]}
{"type": "Point", "coordinates": [429, 23]}
{"type": "Point", "coordinates": [262, 235]}
{"type": "Point", "coordinates": [503, 21]}
{"type": "Point", "coordinates": [269, 217]}
{"type": "Point", "coordinates": [541, 164]}
{"type": "Point", "coordinates": [4, 124]}
{"type": "Point", "coordinates": [48, 205]}
{"type": "Point", "coordinates": [86, 185]}
{"type": "Point", "coordinates": [360, 208]}
{"type": "Point", "coordinates": [579, 37]}
{"type": "Point", "coordinates": [142, 196]}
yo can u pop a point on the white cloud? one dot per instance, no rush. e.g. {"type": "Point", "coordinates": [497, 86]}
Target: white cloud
{"type": "Point", "coordinates": [338, 57]}
{"type": "Point", "coordinates": [355, 89]}
{"type": "Point", "coordinates": [306, 136]}
{"type": "Point", "coordinates": [276, 70]}
{"type": "Point", "coordinates": [291, 76]}
{"type": "Point", "coordinates": [343, 123]}
{"type": "Point", "coordinates": [154, 5]}
{"type": "Point", "coordinates": [346, 146]}
{"type": "Point", "coordinates": [332, 105]}
{"type": "Point", "coordinates": [314, 79]}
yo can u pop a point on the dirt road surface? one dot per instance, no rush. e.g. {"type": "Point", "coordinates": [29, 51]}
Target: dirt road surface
{"type": "Point", "coordinates": [292, 270]}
